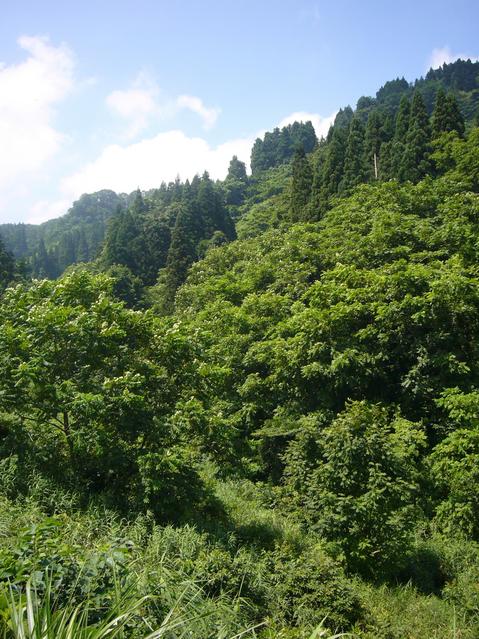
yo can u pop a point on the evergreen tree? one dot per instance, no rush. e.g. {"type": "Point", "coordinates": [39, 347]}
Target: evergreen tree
{"type": "Point", "coordinates": [333, 166]}
{"type": "Point", "coordinates": [388, 128]}
{"type": "Point", "coordinates": [237, 170]}
{"type": "Point", "coordinates": [439, 115]}
{"type": "Point", "coordinates": [212, 212]}
{"type": "Point", "coordinates": [83, 252]}
{"type": "Point", "coordinates": [447, 116]}
{"type": "Point", "coordinates": [181, 254]}
{"type": "Point", "coordinates": [372, 144]}
{"type": "Point", "coordinates": [343, 118]}
{"type": "Point", "coordinates": [415, 163]}
{"type": "Point", "coordinates": [139, 206]}
{"type": "Point", "coordinates": [391, 165]}
{"type": "Point", "coordinates": [236, 183]}
{"type": "Point", "coordinates": [355, 170]}
{"type": "Point", "coordinates": [123, 244]}
{"type": "Point", "coordinates": [43, 265]}
{"type": "Point", "coordinates": [7, 266]}
{"type": "Point", "coordinates": [385, 166]}
{"type": "Point", "coordinates": [402, 119]}
{"type": "Point", "coordinates": [301, 186]}
{"type": "Point", "coordinates": [66, 252]}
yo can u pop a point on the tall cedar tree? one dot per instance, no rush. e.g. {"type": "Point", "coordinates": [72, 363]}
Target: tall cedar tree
{"type": "Point", "coordinates": [124, 243]}
{"type": "Point", "coordinates": [355, 171]}
{"type": "Point", "coordinates": [301, 186]}
{"type": "Point", "coordinates": [236, 182]}
{"type": "Point", "coordinates": [399, 140]}
{"type": "Point", "coordinates": [447, 116]}
{"type": "Point", "coordinates": [333, 166]}
{"type": "Point", "coordinates": [415, 163]}
{"type": "Point", "coordinates": [212, 211]}
{"type": "Point", "coordinates": [7, 265]}
{"type": "Point", "coordinates": [278, 146]}
{"type": "Point", "coordinates": [372, 143]}
{"type": "Point", "coordinates": [43, 262]}
{"type": "Point", "coordinates": [182, 252]}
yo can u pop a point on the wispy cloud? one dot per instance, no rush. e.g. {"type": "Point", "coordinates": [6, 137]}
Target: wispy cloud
{"type": "Point", "coordinates": [209, 115]}
{"type": "Point", "coordinates": [444, 55]}
{"type": "Point", "coordinates": [143, 103]}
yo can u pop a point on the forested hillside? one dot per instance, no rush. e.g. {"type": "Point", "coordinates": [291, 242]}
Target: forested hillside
{"type": "Point", "coordinates": [253, 409]}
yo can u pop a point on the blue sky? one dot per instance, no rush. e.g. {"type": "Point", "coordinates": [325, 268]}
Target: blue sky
{"type": "Point", "coordinates": [120, 94]}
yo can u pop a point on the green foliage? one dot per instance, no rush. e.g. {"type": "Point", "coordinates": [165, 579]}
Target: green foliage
{"type": "Point", "coordinates": [454, 468]}
{"type": "Point", "coordinates": [414, 163]}
{"type": "Point", "coordinates": [301, 186]}
{"type": "Point", "coordinates": [446, 116]}
{"type": "Point", "coordinates": [6, 266]}
{"type": "Point", "coordinates": [311, 587]}
{"type": "Point", "coordinates": [294, 448]}
{"type": "Point", "coordinates": [51, 247]}
{"type": "Point", "coordinates": [354, 165]}
{"type": "Point", "coordinates": [279, 146]}
{"type": "Point", "coordinates": [358, 485]}
{"type": "Point", "coordinates": [90, 381]}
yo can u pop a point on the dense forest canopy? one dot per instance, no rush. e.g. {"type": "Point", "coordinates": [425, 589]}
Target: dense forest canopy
{"type": "Point", "coordinates": [255, 401]}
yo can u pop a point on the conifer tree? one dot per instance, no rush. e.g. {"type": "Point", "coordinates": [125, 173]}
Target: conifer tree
{"type": "Point", "coordinates": [7, 266]}
{"type": "Point", "coordinates": [301, 186]}
{"type": "Point", "coordinates": [354, 162]}
{"type": "Point", "coordinates": [372, 144]}
{"type": "Point", "coordinates": [333, 166]}
{"type": "Point", "coordinates": [236, 182]}
{"type": "Point", "coordinates": [66, 252]}
{"type": "Point", "coordinates": [182, 252]}
{"type": "Point", "coordinates": [237, 170]}
{"type": "Point", "coordinates": [385, 166]}
{"type": "Point", "coordinates": [139, 206]}
{"type": "Point", "coordinates": [447, 116]}
{"type": "Point", "coordinates": [43, 262]}
{"type": "Point", "coordinates": [396, 152]}
{"type": "Point", "coordinates": [83, 251]}
{"type": "Point", "coordinates": [212, 212]}
{"type": "Point", "coordinates": [415, 163]}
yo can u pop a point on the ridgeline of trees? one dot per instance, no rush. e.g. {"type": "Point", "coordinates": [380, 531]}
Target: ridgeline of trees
{"type": "Point", "coordinates": [269, 427]}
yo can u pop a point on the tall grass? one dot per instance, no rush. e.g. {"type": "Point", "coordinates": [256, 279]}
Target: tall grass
{"type": "Point", "coordinates": [34, 615]}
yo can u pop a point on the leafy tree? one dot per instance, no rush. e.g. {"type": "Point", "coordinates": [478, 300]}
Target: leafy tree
{"type": "Point", "coordinates": [92, 383]}
{"type": "Point", "coordinates": [361, 484]}
{"type": "Point", "coordinates": [455, 470]}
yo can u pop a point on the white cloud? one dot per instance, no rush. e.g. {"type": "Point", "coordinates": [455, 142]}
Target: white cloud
{"type": "Point", "coordinates": [29, 92]}
{"type": "Point", "coordinates": [191, 102]}
{"type": "Point", "coordinates": [444, 55]}
{"type": "Point", "coordinates": [142, 102]}
{"type": "Point", "coordinates": [46, 210]}
{"type": "Point", "coordinates": [148, 162]}
{"type": "Point", "coordinates": [136, 105]}
{"type": "Point", "coordinates": [321, 124]}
